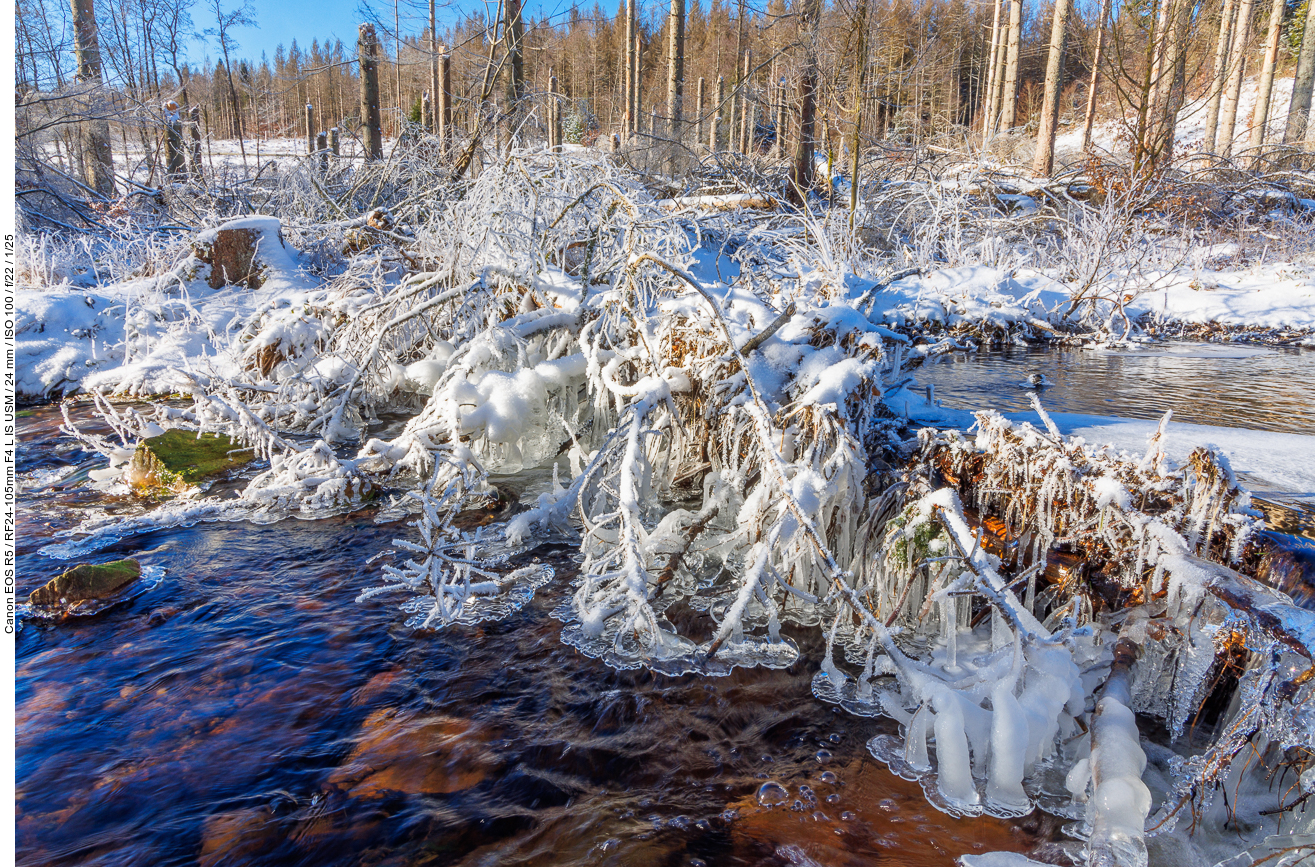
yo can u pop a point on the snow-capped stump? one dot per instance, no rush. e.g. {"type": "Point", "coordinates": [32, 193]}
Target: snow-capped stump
{"type": "Point", "coordinates": [86, 581]}
{"type": "Point", "coordinates": [177, 459]}
{"type": "Point", "coordinates": [236, 251]}
{"type": "Point", "coordinates": [363, 237]}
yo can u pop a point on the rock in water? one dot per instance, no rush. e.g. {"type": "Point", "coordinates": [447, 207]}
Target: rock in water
{"type": "Point", "coordinates": [85, 582]}
{"type": "Point", "coordinates": [178, 458]}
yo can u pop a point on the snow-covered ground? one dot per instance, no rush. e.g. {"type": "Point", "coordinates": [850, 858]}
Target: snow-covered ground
{"type": "Point", "coordinates": [1190, 131]}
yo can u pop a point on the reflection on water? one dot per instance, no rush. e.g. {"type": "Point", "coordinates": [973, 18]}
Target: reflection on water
{"type": "Point", "coordinates": [246, 711]}
{"type": "Point", "coordinates": [1229, 386]}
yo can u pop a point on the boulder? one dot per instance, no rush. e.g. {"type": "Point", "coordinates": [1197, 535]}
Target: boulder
{"type": "Point", "coordinates": [86, 581]}
{"type": "Point", "coordinates": [178, 458]}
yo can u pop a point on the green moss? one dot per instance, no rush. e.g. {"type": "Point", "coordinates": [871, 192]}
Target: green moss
{"type": "Point", "coordinates": [25, 413]}
{"type": "Point", "coordinates": [87, 582]}
{"type": "Point", "coordinates": [177, 458]}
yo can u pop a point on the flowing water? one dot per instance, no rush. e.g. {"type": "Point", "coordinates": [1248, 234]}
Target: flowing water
{"type": "Point", "coordinates": [246, 710]}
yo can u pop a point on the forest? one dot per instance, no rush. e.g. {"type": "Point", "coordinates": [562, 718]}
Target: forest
{"type": "Point", "coordinates": [820, 433]}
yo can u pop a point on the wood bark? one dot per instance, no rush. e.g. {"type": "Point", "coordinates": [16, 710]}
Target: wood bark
{"type": "Point", "coordinates": [1044, 163]}
{"type": "Point", "coordinates": [513, 34]}
{"type": "Point", "coordinates": [1089, 119]}
{"type": "Point", "coordinates": [445, 102]}
{"type": "Point", "coordinates": [554, 115]}
{"type": "Point", "coordinates": [1260, 119]}
{"type": "Point", "coordinates": [310, 128]}
{"type": "Point", "coordinates": [629, 115]}
{"type": "Point", "coordinates": [94, 130]}
{"type": "Point", "coordinates": [699, 110]}
{"type": "Point", "coordinates": [367, 49]}
{"type": "Point", "coordinates": [1294, 132]}
{"type": "Point", "coordinates": [801, 172]}
{"type": "Point", "coordinates": [435, 124]}
{"type": "Point", "coordinates": [1236, 68]}
{"type": "Point", "coordinates": [714, 122]}
{"type": "Point", "coordinates": [856, 134]}
{"type": "Point", "coordinates": [989, 96]}
{"type": "Point", "coordinates": [675, 68]}
{"type": "Point", "coordinates": [746, 104]}
{"type": "Point", "coordinates": [1220, 76]}
{"type": "Point", "coordinates": [1009, 96]}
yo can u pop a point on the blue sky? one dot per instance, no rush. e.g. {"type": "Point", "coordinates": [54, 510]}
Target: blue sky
{"type": "Point", "coordinates": [304, 20]}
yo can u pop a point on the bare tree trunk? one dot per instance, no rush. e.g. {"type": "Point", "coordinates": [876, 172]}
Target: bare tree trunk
{"type": "Point", "coordinates": [1236, 68]}
{"type": "Point", "coordinates": [1260, 119]}
{"type": "Point", "coordinates": [196, 141]}
{"type": "Point", "coordinates": [801, 173]}
{"type": "Point", "coordinates": [367, 49]}
{"type": "Point", "coordinates": [445, 102]}
{"type": "Point", "coordinates": [698, 124]}
{"type": "Point", "coordinates": [996, 54]}
{"type": "Point", "coordinates": [637, 113]}
{"type": "Point", "coordinates": [1089, 119]}
{"type": "Point", "coordinates": [675, 69]}
{"type": "Point", "coordinates": [856, 136]}
{"type": "Point", "coordinates": [1044, 163]}
{"type": "Point", "coordinates": [175, 159]}
{"type": "Point", "coordinates": [310, 128]}
{"type": "Point", "coordinates": [436, 124]}
{"type": "Point", "coordinates": [98, 159]}
{"type": "Point", "coordinates": [1217, 80]}
{"type": "Point", "coordinates": [1009, 99]}
{"type": "Point", "coordinates": [513, 34]}
{"type": "Point", "coordinates": [628, 117]}
{"type": "Point", "coordinates": [1302, 86]}
{"type": "Point", "coordinates": [554, 115]}
{"type": "Point", "coordinates": [715, 120]}
{"type": "Point", "coordinates": [738, 102]}
{"type": "Point", "coordinates": [746, 104]}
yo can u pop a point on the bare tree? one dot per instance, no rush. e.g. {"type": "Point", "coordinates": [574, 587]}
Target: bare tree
{"type": "Point", "coordinates": [1009, 99]}
{"type": "Point", "coordinates": [1089, 119]}
{"type": "Point", "coordinates": [1219, 79]}
{"type": "Point", "coordinates": [243, 16]}
{"type": "Point", "coordinates": [1044, 163]}
{"type": "Point", "coordinates": [1236, 68]}
{"type": "Point", "coordinates": [367, 47]}
{"type": "Point", "coordinates": [801, 172]}
{"type": "Point", "coordinates": [1260, 119]}
{"type": "Point", "coordinates": [98, 160]}
{"type": "Point", "coordinates": [675, 67]}
{"type": "Point", "coordinates": [1302, 86]}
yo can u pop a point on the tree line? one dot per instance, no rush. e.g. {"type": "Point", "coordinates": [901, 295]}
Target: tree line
{"type": "Point", "coordinates": [786, 78]}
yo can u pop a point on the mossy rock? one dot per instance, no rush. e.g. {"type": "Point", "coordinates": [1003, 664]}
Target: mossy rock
{"type": "Point", "coordinates": [86, 581]}
{"type": "Point", "coordinates": [177, 459]}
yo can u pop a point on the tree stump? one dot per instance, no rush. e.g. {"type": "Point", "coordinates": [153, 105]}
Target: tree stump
{"type": "Point", "coordinates": [232, 258]}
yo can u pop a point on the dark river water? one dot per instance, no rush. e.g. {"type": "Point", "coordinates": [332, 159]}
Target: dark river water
{"type": "Point", "coordinates": [1203, 383]}
{"type": "Point", "coordinates": [246, 710]}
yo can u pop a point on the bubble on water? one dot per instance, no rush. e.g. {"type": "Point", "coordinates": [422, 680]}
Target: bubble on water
{"type": "Point", "coordinates": [703, 825]}
{"type": "Point", "coordinates": [886, 804]}
{"type": "Point", "coordinates": [848, 816]}
{"type": "Point", "coordinates": [772, 793]}
{"type": "Point", "coordinates": [797, 806]}
{"type": "Point", "coordinates": [608, 845]}
{"type": "Point", "coordinates": [823, 756]}
{"type": "Point", "coordinates": [829, 778]}
{"type": "Point", "coordinates": [835, 738]}
{"type": "Point", "coordinates": [833, 798]}
{"type": "Point", "coordinates": [819, 816]}
{"type": "Point", "coordinates": [697, 862]}
{"type": "Point", "coordinates": [768, 759]}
